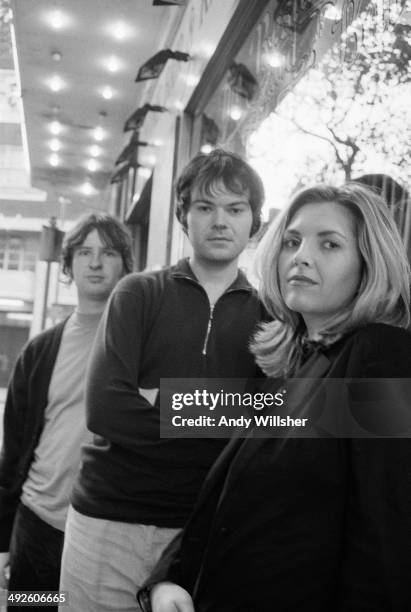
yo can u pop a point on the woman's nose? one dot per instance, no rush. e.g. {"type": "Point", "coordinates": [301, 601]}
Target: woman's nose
{"type": "Point", "coordinates": [303, 255]}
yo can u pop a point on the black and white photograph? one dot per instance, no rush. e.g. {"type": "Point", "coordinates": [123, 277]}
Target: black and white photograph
{"type": "Point", "coordinates": [205, 313]}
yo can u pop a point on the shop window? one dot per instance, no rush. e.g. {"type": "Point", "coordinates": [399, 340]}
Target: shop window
{"type": "Point", "coordinates": [320, 93]}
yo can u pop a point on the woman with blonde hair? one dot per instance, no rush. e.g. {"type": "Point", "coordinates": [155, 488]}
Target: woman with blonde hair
{"type": "Point", "coordinates": [323, 522]}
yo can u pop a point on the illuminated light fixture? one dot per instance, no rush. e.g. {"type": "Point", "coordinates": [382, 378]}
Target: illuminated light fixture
{"type": "Point", "coordinates": [130, 151]}
{"type": "Point", "coordinates": [92, 165]}
{"type": "Point", "coordinates": [235, 113]}
{"type": "Point", "coordinates": [169, 2]}
{"type": "Point", "coordinates": [20, 316]}
{"type": "Point", "coordinates": [107, 93]}
{"type": "Point", "coordinates": [56, 83]}
{"type": "Point", "coordinates": [54, 160]}
{"type": "Point", "coordinates": [144, 172]}
{"type": "Point", "coordinates": [57, 20]}
{"type": "Point", "coordinates": [56, 56]}
{"type": "Point", "coordinates": [99, 134]}
{"type": "Point", "coordinates": [136, 120]}
{"type": "Point", "coordinates": [332, 12]}
{"type": "Point", "coordinates": [11, 302]}
{"type": "Point", "coordinates": [120, 31]}
{"type": "Point", "coordinates": [113, 64]}
{"type": "Point", "coordinates": [55, 145]}
{"type": "Point", "coordinates": [154, 66]}
{"type": "Point", "coordinates": [95, 151]}
{"type": "Point", "coordinates": [55, 128]}
{"type": "Point", "coordinates": [87, 189]}
{"type": "Point", "coordinates": [241, 81]}
{"type": "Point", "coordinates": [206, 148]}
{"type": "Point", "coordinates": [178, 105]}
{"type": "Point", "coordinates": [157, 142]}
{"type": "Point", "coordinates": [274, 59]}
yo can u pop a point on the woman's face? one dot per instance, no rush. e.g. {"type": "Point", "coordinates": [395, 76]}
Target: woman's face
{"type": "Point", "coordinates": [319, 265]}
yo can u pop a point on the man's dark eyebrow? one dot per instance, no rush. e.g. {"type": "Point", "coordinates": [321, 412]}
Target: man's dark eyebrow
{"type": "Point", "coordinates": [207, 201]}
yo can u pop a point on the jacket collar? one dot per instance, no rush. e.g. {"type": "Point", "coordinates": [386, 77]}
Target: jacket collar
{"type": "Point", "coordinates": [183, 270]}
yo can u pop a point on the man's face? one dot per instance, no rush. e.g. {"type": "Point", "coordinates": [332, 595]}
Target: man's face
{"type": "Point", "coordinates": [219, 224]}
{"type": "Point", "coordinates": [96, 268]}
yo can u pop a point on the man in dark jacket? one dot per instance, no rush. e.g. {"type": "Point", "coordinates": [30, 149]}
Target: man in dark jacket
{"type": "Point", "coordinates": [194, 320]}
{"type": "Point", "coordinates": [44, 422]}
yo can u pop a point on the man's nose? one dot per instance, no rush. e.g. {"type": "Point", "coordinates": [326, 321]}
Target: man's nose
{"type": "Point", "coordinates": [220, 218]}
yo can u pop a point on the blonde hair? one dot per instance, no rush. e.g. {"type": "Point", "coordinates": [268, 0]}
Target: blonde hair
{"type": "Point", "coordinates": [383, 295]}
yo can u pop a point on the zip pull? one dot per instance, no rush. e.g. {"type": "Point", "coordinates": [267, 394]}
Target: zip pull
{"type": "Point", "coordinates": [210, 322]}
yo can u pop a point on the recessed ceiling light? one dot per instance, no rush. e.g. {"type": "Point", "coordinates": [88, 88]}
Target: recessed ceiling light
{"type": "Point", "coordinates": [55, 145]}
{"type": "Point", "coordinates": [92, 165]}
{"type": "Point", "coordinates": [55, 128]}
{"type": "Point", "coordinates": [107, 93]}
{"type": "Point", "coordinates": [56, 83]}
{"type": "Point", "coordinates": [56, 56]}
{"type": "Point", "coordinates": [95, 150]}
{"type": "Point", "coordinates": [57, 19]}
{"type": "Point", "coordinates": [120, 30]}
{"type": "Point", "coordinates": [54, 160]}
{"type": "Point", "coordinates": [99, 134]}
{"type": "Point", "coordinates": [113, 64]}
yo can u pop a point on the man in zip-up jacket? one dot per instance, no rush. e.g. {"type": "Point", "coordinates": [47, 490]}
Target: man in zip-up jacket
{"type": "Point", "coordinates": [194, 320]}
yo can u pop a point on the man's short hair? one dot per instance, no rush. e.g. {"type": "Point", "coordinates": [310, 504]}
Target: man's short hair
{"type": "Point", "coordinates": [113, 234]}
{"type": "Point", "coordinates": [206, 169]}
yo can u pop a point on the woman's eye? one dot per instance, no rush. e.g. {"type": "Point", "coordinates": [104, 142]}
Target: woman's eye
{"type": "Point", "coordinates": [329, 244]}
{"type": "Point", "coordinates": [290, 243]}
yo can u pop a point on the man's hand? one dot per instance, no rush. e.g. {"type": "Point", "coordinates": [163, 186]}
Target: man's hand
{"type": "Point", "coordinates": [169, 597]}
{"type": "Point", "coordinates": [4, 563]}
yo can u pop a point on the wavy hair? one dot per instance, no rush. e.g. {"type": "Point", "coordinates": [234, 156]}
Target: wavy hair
{"type": "Point", "coordinates": [112, 232]}
{"type": "Point", "coordinates": [207, 169]}
{"type": "Point", "coordinates": [383, 294]}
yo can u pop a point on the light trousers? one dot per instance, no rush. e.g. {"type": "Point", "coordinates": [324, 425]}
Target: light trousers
{"type": "Point", "coordinates": [106, 562]}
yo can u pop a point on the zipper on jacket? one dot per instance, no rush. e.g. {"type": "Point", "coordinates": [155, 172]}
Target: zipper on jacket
{"type": "Point", "coordinates": [210, 323]}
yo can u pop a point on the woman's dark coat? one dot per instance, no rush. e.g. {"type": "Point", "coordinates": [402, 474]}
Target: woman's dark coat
{"type": "Point", "coordinates": [305, 525]}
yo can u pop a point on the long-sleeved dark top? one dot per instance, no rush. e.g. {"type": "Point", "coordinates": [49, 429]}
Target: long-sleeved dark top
{"type": "Point", "coordinates": [23, 421]}
{"type": "Point", "coordinates": [157, 325]}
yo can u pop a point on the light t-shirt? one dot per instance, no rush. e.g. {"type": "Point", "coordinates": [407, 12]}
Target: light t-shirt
{"type": "Point", "coordinates": [56, 461]}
